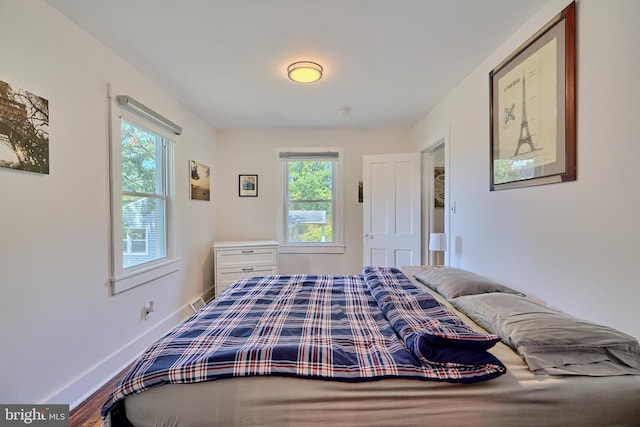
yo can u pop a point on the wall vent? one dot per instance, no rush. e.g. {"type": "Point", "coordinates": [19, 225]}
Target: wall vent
{"type": "Point", "coordinates": [197, 304]}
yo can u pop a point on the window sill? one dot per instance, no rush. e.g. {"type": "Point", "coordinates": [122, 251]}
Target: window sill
{"type": "Point", "coordinates": [140, 277]}
{"type": "Point", "coordinates": [311, 249]}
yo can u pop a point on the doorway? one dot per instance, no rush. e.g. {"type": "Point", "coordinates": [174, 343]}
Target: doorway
{"type": "Point", "coordinates": [434, 179]}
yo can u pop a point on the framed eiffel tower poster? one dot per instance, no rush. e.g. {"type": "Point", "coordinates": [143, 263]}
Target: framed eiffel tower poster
{"type": "Point", "coordinates": [533, 113]}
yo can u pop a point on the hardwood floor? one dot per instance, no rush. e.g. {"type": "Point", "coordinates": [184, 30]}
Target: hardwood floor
{"type": "Point", "coordinates": [87, 414]}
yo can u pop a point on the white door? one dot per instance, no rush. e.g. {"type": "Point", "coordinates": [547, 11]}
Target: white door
{"type": "Point", "coordinates": [391, 209]}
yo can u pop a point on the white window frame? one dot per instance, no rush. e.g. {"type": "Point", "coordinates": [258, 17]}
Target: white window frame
{"type": "Point", "coordinates": [337, 245]}
{"type": "Point", "coordinates": [122, 278]}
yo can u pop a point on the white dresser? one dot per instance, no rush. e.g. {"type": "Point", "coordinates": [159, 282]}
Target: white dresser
{"type": "Point", "coordinates": [235, 260]}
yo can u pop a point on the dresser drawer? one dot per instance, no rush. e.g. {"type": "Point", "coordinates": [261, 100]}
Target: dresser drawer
{"type": "Point", "coordinates": [254, 257]}
{"type": "Point", "coordinates": [236, 260]}
{"type": "Point", "coordinates": [227, 276]}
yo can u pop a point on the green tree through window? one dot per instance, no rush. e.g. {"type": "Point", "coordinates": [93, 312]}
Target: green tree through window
{"type": "Point", "coordinates": [138, 159]}
{"type": "Point", "coordinates": [143, 194]}
{"type": "Point", "coordinates": [310, 200]}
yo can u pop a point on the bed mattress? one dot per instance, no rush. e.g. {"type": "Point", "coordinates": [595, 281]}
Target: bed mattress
{"type": "Point", "coordinates": [517, 398]}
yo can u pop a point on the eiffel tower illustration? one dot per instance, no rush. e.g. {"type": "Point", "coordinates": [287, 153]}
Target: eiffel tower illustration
{"type": "Point", "coordinates": [525, 135]}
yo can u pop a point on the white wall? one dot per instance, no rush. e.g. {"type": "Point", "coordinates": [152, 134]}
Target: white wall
{"type": "Point", "coordinates": [254, 152]}
{"type": "Point", "coordinates": [62, 333]}
{"type": "Point", "coordinates": [574, 245]}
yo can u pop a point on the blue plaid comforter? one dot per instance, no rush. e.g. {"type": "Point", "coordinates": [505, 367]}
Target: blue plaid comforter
{"type": "Point", "coordinates": [346, 328]}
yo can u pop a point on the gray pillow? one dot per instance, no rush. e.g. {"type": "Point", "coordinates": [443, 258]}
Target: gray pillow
{"type": "Point", "coordinates": [454, 282]}
{"type": "Point", "coordinates": [552, 342]}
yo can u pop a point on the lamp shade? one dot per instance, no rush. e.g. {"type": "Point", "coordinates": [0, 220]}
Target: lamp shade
{"type": "Point", "coordinates": [304, 72]}
{"type": "Point", "coordinates": [437, 242]}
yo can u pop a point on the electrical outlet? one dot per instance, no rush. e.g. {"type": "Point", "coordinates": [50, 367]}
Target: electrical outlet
{"type": "Point", "coordinates": [148, 309]}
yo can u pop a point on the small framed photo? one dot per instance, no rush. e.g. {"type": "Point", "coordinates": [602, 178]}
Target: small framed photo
{"type": "Point", "coordinates": [248, 186]}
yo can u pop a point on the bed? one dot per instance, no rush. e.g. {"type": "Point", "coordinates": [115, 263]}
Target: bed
{"type": "Point", "coordinates": [413, 357]}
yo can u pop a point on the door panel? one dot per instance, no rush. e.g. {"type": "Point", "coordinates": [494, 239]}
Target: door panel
{"type": "Point", "coordinates": [404, 257]}
{"type": "Point", "coordinates": [379, 257]}
{"type": "Point", "coordinates": [391, 209]}
{"type": "Point", "coordinates": [403, 199]}
{"type": "Point", "coordinates": [379, 193]}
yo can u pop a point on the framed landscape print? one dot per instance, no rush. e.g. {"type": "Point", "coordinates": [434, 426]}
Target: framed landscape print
{"type": "Point", "coordinates": [533, 114]}
{"type": "Point", "coordinates": [24, 130]}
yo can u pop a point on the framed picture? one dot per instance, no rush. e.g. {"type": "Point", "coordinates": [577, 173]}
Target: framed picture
{"type": "Point", "coordinates": [24, 130]}
{"type": "Point", "coordinates": [438, 187]}
{"type": "Point", "coordinates": [200, 181]}
{"type": "Point", "coordinates": [533, 109]}
{"type": "Point", "coordinates": [248, 186]}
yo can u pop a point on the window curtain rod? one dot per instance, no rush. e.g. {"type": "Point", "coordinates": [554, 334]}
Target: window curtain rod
{"type": "Point", "coordinates": [137, 107]}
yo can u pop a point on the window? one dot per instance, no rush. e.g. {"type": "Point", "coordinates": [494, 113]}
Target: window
{"type": "Point", "coordinates": [141, 196]}
{"type": "Point", "coordinates": [143, 162]}
{"type": "Point", "coordinates": [310, 217]}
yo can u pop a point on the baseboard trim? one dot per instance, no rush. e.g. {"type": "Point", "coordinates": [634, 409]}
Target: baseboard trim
{"type": "Point", "coordinates": [208, 294]}
{"type": "Point", "coordinates": [78, 390]}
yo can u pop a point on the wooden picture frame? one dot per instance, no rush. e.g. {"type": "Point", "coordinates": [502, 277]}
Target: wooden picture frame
{"type": "Point", "coordinates": [248, 185]}
{"type": "Point", "coordinates": [533, 109]}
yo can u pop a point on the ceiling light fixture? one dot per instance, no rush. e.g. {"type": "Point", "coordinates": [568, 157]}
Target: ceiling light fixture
{"type": "Point", "coordinates": [305, 72]}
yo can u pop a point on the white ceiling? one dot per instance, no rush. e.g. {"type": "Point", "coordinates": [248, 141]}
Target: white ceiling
{"type": "Point", "coordinates": [390, 61]}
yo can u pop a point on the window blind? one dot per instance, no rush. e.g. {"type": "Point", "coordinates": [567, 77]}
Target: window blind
{"type": "Point", "coordinates": [146, 112]}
